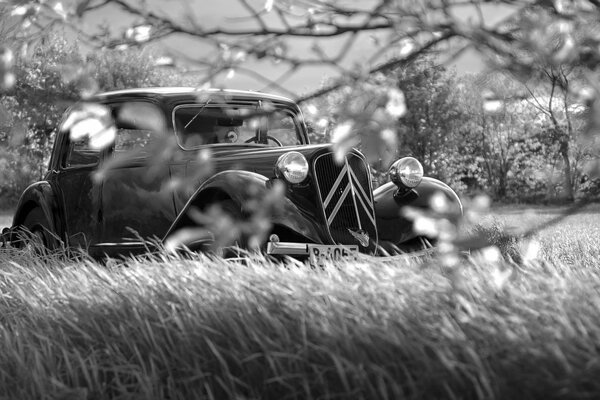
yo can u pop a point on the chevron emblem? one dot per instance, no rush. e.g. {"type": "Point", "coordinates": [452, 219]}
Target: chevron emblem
{"type": "Point", "coordinates": [352, 188]}
{"type": "Point", "coordinates": [361, 236]}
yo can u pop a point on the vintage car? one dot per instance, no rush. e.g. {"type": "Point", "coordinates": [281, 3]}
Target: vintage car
{"type": "Point", "coordinates": [329, 207]}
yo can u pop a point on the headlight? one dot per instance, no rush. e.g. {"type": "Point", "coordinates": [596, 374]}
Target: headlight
{"type": "Point", "coordinates": [292, 166]}
{"type": "Point", "coordinates": [406, 172]}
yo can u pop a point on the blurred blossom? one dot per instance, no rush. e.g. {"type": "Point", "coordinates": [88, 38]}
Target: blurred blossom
{"type": "Point", "coordinates": [389, 137]}
{"type": "Point", "coordinates": [268, 106]}
{"type": "Point", "coordinates": [26, 23]}
{"type": "Point", "coordinates": [59, 10]}
{"type": "Point", "coordinates": [279, 49]}
{"type": "Point", "coordinates": [406, 47]}
{"type": "Point", "coordinates": [164, 61]}
{"type": "Point", "coordinates": [585, 95]}
{"type": "Point", "coordinates": [7, 58]}
{"type": "Point", "coordinates": [240, 56]}
{"type": "Point", "coordinates": [342, 132]}
{"type": "Point", "coordinates": [122, 47]}
{"type": "Point", "coordinates": [567, 50]}
{"type": "Point", "coordinates": [19, 11]}
{"type": "Point", "coordinates": [439, 203]}
{"type": "Point", "coordinates": [491, 254]}
{"type": "Point", "coordinates": [139, 34]}
{"type": "Point", "coordinates": [143, 116]}
{"type": "Point", "coordinates": [93, 121]}
{"type": "Point", "coordinates": [87, 87]}
{"type": "Point", "coordinates": [254, 123]}
{"type": "Point", "coordinates": [184, 237]}
{"type": "Point", "coordinates": [500, 277]}
{"type": "Point", "coordinates": [450, 259]}
{"type": "Point", "coordinates": [174, 184]}
{"type": "Point", "coordinates": [493, 105]}
{"type": "Point", "coordinates": [311, 109]}
{"type": "Point", "coordinates": [559, 6]}
{"type": "Point", "coordinates": [103, 138]}
{"type": "Point", "coordinates": [344, 140]}
{"type": "Point", "coordinates": [204, 156]}
{"type": "Point", "coordinates": [230, 73]}
{"type": "Point", "coordinates": [323, 122]}
{"type": "Point", "coordinates": [481, 203]}
{"type": "Point", "coordinates": [7, 81]}
{"type": "Point", "coordinates": [426, 226]}
{"type": "Point", "coordinates": [530, 250]}
{"type": "Point", "coordinates": [269, 5]}
{"type": "Point", "coordinates": [396, 105]}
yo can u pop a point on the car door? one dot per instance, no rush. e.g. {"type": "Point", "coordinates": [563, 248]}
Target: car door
{"type": "Point", "coordinates": [79, 193]}
{"type": "Point", "coordinates": [136, 196]}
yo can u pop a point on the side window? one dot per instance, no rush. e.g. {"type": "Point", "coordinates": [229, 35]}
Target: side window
{"type": "Point", "coordinates": [138, 140]}
{"type": "Point", "coordinates": [80, 154]}
{"type": "Point", "coordinates": [134, 121]}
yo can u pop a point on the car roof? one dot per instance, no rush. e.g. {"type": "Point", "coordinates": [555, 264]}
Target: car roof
{"type": "Point", "coordinates": [173, 93]}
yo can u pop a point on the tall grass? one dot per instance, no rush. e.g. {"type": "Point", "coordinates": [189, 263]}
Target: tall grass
{"type": "Point", "coordinates": [153, 328]}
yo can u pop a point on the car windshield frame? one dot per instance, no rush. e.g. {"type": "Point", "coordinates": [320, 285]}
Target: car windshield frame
{"type": "Point", "coordinates": [293, 113]}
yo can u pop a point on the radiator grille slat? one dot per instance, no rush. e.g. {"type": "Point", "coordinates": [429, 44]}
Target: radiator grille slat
{"type": "Point", "coordinates": [346, 196]}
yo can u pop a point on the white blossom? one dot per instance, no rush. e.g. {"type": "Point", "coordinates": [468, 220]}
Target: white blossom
{"type": "Point", "coordinates": [139, 34]}
{"type": "Point", "coordinates": [269, 5]}
{"type": "Point", "coordinates": [59, 10]}
{"type": "Point", "coordinates": [19, 11]}
{"type": "Point", "coordinates": [396, 105]}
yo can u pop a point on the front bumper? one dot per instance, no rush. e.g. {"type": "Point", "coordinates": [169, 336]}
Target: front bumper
{"type": "Point", "coordinates": [300, 250]}
{"type": "Point", "coordinates": [292, 249]}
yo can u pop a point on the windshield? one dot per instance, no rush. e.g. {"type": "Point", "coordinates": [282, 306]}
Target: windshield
{"type": "Point", "coordinates": [201, 124]}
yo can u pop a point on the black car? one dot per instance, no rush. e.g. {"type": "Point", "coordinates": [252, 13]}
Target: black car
{"type": "Point", "coordinates": [116, 199]}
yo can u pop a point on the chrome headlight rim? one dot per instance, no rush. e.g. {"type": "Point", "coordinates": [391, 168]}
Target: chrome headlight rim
{"type": "Point", "coordinates": [406, 172]}
{"type": "Point", "coordinates": [292, 167]}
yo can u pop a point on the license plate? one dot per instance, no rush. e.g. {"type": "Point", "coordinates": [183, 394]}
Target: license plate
{"type": "Point", "coordinates": [319, 253]}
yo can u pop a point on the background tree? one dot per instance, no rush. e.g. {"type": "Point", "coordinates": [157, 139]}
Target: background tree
{"type": "Point", "coordinates": [50, 77]}
{"type": "Point", "coordinates": [513, 36]}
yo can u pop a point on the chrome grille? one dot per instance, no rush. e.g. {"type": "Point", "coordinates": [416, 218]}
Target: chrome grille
{"type": "Point", "coordinates": [347, 199]}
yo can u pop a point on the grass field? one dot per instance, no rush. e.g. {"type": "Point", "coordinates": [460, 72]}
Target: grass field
{"type": "Point", "coordinates": [201, 328]}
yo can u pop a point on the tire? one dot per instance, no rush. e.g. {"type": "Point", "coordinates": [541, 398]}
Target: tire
{"type": "Point", "coordinates": [36, 234]}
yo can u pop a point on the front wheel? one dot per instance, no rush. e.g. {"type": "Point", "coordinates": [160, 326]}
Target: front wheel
{"type": "Point", "coordinates": [35, 232]}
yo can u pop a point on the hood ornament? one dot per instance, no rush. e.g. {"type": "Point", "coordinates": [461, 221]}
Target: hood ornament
{"type": "Point", "coordinates": [361, 236]}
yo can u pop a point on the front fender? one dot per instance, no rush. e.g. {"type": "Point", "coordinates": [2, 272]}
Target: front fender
{"type": "Point", "coordinates": [38, 195]}
{"type": "Point", "coordinates": [239, 186]}
{"type": "Point", "coordinates": [394, 227]}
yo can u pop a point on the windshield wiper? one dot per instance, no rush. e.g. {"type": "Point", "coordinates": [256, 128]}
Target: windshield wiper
{"type": "Point", "coordinates": [197, 114]}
